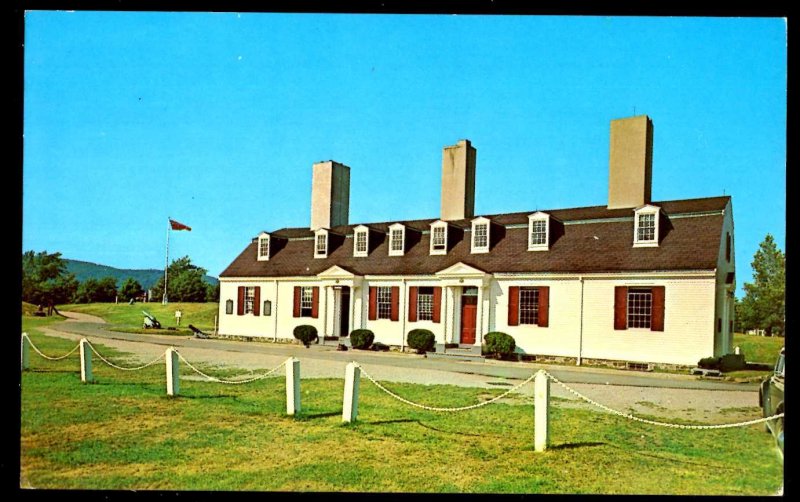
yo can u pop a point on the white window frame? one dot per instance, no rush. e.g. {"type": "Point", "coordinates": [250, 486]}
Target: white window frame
{"type": "Point", "coordinates": [402, 232]}
{"type": "Point", "coordinates": [475, 224]}
{"type": "Point", "coordinates": [263, 238]}
{"type": "Point", "coordinates": [642, 211]}
{"type": "Point", "coordinates": [424, 301]}
{"type": "Point", "coordinates": [320, 233]}
{"type": "Point", "coordinates": [442, 226]}
{"type": "Point", "coordinates": [249, 299]}
{"type": "Point", "coordinates": [306, 301]}
{"type": "Point", "coordinates": [534, 218]}
{"type": "Point", "coordinates": [383, 302]}
{"type": "Point", "coordinates": [358, 231]}
{"type": "Point", "coordinates": [529, 316]}
{"type": "Point", "coordinates": [639, 308]}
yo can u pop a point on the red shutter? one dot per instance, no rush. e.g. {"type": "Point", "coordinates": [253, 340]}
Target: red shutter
{"type": "Point", "coordinates": [437, 304]}
{"type": "Point", "coordinates": [373, 303]}
{"type": "Point", "coordinates": [513, 306]}
{"type": "Point", "coordinates": [296, 310]}
{"type": "Point", "coordinates": [315, 302]}
{"type": "Point", "coordinates": [412, 304]}
{"type": "Point", "coordinates": [620, 307]}
{"type": "Point", "coordinates": [395, 303]}
{"type": "Point", "coordinates": [544, 306]}
{"type": "Point", "coordinates": [240, 303]}
{"type": "Point", "coordinates": [657, 321]}
{"type": "Point", "coordinates": [257, 301]}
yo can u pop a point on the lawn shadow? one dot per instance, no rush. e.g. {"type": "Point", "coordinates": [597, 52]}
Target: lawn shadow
{"type": "Point", "coordinates": [208, 396]}
{"type": "Point", "coordinates": [572, 446]}
{"type": "Point", "coordinates": [326, 414]}
{"type": "Point", "coordinates": [670, 459]}
{"type": "Point", "coordinates": [395, 421]}
{"type": "Point", "coordinates": [42, 370]}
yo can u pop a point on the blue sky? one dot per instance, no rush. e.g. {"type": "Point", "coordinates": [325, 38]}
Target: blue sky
{"type": "Point", "coordinates": [215, 119]}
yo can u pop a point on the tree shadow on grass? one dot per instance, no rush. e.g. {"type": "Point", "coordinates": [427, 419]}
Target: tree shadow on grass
{"type": "Point", "coordinates": [572, 446]}
{"type": "Point", "coordinates": [311, 416]}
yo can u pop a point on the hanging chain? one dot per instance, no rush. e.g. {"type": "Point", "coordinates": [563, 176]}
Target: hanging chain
{"type": "Point", "coordinates": [225, 381]}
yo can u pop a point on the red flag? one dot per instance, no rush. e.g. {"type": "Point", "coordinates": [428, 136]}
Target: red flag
{"type": "Point", "coordinates": [178, 226]}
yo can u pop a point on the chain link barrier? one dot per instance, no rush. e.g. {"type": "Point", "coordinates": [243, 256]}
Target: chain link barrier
{"type": "Point", "coordinates": [49, 358]}
{"type": "Point", "coordinates": [135, 368]}
{"type": "Point", "coordinates": [435, 408]}
{"type": "Point", "coordinates": [653, 422]}
{"type": "Point", "coordinates": [226, 381]}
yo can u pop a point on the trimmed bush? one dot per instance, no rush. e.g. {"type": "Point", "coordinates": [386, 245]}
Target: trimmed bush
{"type": "Point", "coordinates": [499, 344]}
{"type": "Point", "coordinates": [709, 363]}
{"type": "Point", "coordinates": [731, 362]}
{"type": "Point", "coordinates": [422, 340]}
{"type": "Point", "coordinates": [361, 339]}
{"type": "Point", "coordinates": [305, 333]}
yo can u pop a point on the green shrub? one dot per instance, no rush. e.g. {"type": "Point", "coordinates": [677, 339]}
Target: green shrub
{"type": "Point", "coordinates": [305, 333]}
{"type": "Point", "coordinates": [361, 339]}
{"type": "Point", "coordinates": [709, 363]}
{"type": "Point", "coordinates": [422, 340]}
{"type": "Point", "coordinates": [731, 362]}
{"type": "Point", "coordinates": [499, 344]}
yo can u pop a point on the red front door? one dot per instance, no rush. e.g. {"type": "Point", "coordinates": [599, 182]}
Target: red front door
{"type": "Point", "coordinates": [469, 315]}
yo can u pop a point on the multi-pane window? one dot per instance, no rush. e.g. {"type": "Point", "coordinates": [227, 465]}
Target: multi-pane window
{"type": "Point", "coordinates": [322, 245]}
{"type": "Point", "coordinates": [538, 235]}
{"type": "Point", "coordinates": [439, 238]}
{"type": "Point", "coordinates": [263, 247]}
{"type": "Point", "coordinates": [425, 304]}
{"type": "Point", "coordinates": [647, 228]}
{"type": "Point", "coordinates": [480, 236]}
{"type": "Point", "coordinates": [640, 307]}
{"type": "Point", "coordinates": [361, 243]}
{"type": "Point", "coordinates": [306, 301]}
{"type": "Point", "coordinates": [396, 238]}
{"type": "Point", "coordinates": [528, 305]}
{"type": "Point", "coordinates": [384, 303]}
{"type": "Point", "coordinates": [249, 299]}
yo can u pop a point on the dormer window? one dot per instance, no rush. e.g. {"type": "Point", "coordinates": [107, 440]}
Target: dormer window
{"type": "Point", "coordinates": [321, 244]}
{"type": "Point", "coordinates": [438, 237]}
{"type": "Point", "coordinates": [397, 239]}
{"type": "Point", "coordinates": [645, 228]}
{"type": "Point", "coordinates": [263, 246]}
{"type": "Point", "coordinates": [360, 241]}
{"type": "Point", "coordinates": [538, 231]}
{"type": "Point", "coordinates": [480, 235]}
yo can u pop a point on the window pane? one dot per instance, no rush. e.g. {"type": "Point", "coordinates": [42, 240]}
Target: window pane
{"type": "Point", "coordinates": [640, 307]}
{"type": "Point", "coordinates": [263, 246]}
{"type": "Point", "coordinates": [397, 240]}
{"type": "Point", "coordinates": [249, 299]}
{"type": "Point", "coordinates": [479, 238]}
{"type": "Point", "coordinates": [384, 303]}
{"type": "Point", "coordinates": [538, 232]}
{"type": "Point", "coordinates": [528, 305]}
{"type": "Point", "coordinates": [425, 304]}
{"type": "Point", "coordinates": [439, 241]}
{"type": "Point", "coordinates": [647, 227]}
{"type": "Point", "coordinates": [361, 242]}
{"type": "Point", "coordinates": [322, 242]}
{"type": "Point", "coordinates": [306, 301]}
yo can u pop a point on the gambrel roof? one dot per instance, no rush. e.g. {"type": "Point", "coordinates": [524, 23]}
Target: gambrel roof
{"type": "Point", "coordinates": [583, 240]}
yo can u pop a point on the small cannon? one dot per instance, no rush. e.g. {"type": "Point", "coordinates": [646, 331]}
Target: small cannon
{"type": "Point", "coordinates": [150, 321]}
{"type": "Point", "coordinates": [198, 333]}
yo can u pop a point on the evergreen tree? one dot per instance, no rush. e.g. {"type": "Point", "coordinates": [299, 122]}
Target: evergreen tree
{"type": "Point", "coordinates": [130, 289]}
{"type": "Point", "coordinates": [45, 280]}
{"type": "Point", "coordinates": [764, 303]}
{"type": "Point", "coordinates": [185, 282]}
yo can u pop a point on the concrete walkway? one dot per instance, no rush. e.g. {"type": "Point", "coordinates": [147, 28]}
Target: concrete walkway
{"type": "Point", "coordinates": [658, 394]}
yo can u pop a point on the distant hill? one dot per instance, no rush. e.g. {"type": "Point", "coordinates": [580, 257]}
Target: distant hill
{"type": "Point", "coordinates": [147, 277]}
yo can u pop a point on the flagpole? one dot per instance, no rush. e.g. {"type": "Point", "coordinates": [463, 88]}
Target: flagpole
{"type": "Point", "coordinates": [166, 267]}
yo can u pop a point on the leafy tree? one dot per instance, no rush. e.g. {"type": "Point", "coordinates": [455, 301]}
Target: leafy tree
{"type": "Point", "coordinates": [97, 290]}
{"type": "Point", "coordinates": [45, 280]}
{"type": "Point", "coordinates": [130, 289]}
{"type": "Point", "coordinates": [212, 294]}
{"type": "Point", "coordinates": [185, 282]}
{"type": "Point", "coordinates": [764, 303]}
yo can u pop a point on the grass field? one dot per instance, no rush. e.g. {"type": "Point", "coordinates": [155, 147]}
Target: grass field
{"type": "Point", "coordinates": [759, 349]}
{"type": "Point", "coordinates": [129, 317]}
{"type": "Point", "coordinates": [123, 432]}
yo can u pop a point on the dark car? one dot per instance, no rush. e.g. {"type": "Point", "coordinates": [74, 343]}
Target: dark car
{"type": "Point", "coordinates": [770, 397]}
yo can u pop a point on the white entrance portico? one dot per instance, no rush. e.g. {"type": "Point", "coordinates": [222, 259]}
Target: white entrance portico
{"type": "Point", "coordinates": [466, 318]}
{"type": "Point", "coordinates": [341, 300]}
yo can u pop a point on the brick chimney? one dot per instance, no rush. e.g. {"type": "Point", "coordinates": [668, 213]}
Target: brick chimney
{"type": "Point", "coordinates": [630, 170]}
{"type": "Point", "coordinates": [330, 195]}
{"type": "Point", "coordinates": [458, 181]}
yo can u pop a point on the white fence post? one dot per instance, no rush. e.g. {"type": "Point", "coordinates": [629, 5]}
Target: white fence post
{"type": "Point", "coordinates": [352, 378]}
{"type": "Point", "coordinates": [86, 361]}
{"type": "Point", "coordinates": [541, 425]}
{"type": "Point", "coordinates": [292, 386]}
{"type": "Point", "coordinates": [26, 349]}
{"type": "Point", "coordinates": [172, 372]}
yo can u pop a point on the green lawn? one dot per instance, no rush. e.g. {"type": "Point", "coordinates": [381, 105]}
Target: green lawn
{"type": "Point", "coordinates": [759, 349]}
{"type": "Point", "coordinates": [123, 432]}
{"type": "Point", "coordinates": [129, 317]}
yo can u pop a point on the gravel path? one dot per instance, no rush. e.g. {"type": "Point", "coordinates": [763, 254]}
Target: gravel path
{"type": "Point", "coordinates": [707, 406]}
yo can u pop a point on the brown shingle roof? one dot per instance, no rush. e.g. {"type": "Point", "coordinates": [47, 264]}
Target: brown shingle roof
{"type": "Point", "coordinates": [583, 246]}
